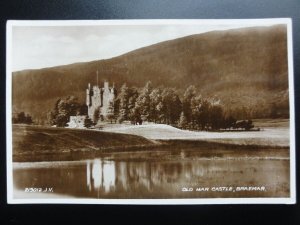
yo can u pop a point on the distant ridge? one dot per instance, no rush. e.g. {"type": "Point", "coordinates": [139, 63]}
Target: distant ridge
{"type": "Point", "coordinates": [243, 67]}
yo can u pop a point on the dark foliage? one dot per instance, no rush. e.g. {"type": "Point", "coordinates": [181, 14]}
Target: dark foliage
{"type": "Point", "coordinates": [63, 109]}
{"type": "Point", "coordinates": [22, 118]}
{"type": "Point", "coordinates": [88, 122]}
{"type": "Point", "coordinates": [163, 105]}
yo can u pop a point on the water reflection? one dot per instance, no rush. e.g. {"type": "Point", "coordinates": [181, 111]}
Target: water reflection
{"type": "Point", "coordinates": [159, 175]}
{"type": "Point", "coordinates": [100, 175]}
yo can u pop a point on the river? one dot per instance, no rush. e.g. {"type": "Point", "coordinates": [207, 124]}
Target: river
{"type": "Point", "coordinates": [185, 173]}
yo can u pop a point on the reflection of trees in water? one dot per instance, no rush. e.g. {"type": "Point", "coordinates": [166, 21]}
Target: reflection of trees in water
{"type": "Point", "coordinates": [110, 175]}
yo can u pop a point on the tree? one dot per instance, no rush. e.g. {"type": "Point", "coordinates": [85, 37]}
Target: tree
{"type": "Point", "coordinates": [182, 123]}
{"type": "Point", "coordinates": [216, 117]}
{"type": "Point", "coordinates": [229, 122]}
{"type": "Point", "coordinates": [143, 102]}
{"type": "Point", "coordinates": [186, 103]}
{"type": "Point", "coordinates": [52, 115]}
{"type": "Point", "coordinates": [72, 106]}
{"type": "Point", "coordinates": [28, 119]}
{"type": "Point", "coordinates": [61, 120]}
{"type": "Point", "coordinates": [171, 106]}
{"type": "Point", "coordinates": [96, 115]}
{"type": "Point", "coordinates": [134, 114]}
{"type": "Point", "coordinates": [82, 109]}
{"type": "Point", "coordinates": [63, 109]}
{"type": "Point", "coordinates": [22, 118]}
{"type": "Point", "coordinates": [110, 112]}
{"type": "Point", "coordinates": [63, 114]}
{"type": "Point", "coordinates": [155, 100]}
{"type": "Point", "coordinates": [123, 103]}
{"type": "Point", "coordinates": [249, 125]}
{"type": "Point", "coordinates": [88, 122]}
{"type": "Point", "coordinates": [176, 108]}
{"type": "Point", "coordinates": [204, 114]}
{"type": "Point", "coordinates": [160, 112]}
{"type": "Point", "coordinates": [14, 119]}
{"type": "Point", "coordinates": [116, 108]}
{"type": "Point", "coordinates": [195, 105]}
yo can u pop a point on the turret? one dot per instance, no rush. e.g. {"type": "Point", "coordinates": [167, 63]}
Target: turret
{"type": "Point", "coordinates": [106, 87]}
{"type": "Point", "coordinates": [88, 95]}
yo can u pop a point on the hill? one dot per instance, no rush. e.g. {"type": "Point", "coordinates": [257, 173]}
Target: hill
{"type": "Point", "coordinates": [246, 68]}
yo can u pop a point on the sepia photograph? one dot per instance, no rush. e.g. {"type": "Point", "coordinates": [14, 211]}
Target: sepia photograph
{"type": "Point", "coordinates": [150, 112]}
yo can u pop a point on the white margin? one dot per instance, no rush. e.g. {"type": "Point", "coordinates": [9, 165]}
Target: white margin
{"type": "Point", "coordinates": [244, 22]}
{"type": "Point", "coordinates": [292, 112]}
{"type": "Point", "coordinates": [9, 112]}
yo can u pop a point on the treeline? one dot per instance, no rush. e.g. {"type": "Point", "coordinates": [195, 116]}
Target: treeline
{"type": "Point", "coordinates": [153, 104]}
{"type": "Point", "coordinates": [163, 105]}
{"type": "Point", "coordinates": [21, 117]}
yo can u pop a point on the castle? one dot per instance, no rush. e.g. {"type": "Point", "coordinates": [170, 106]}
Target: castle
{"type": "Point", "coordinates": [100, 102]}
{"type": "Point", "coordinates": [100, 99]}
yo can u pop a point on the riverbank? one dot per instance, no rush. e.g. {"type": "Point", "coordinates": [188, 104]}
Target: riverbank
{"type": "Point", "coordinates": [35, 143]}
{"type": "Point", "coordinates": [32, 141]}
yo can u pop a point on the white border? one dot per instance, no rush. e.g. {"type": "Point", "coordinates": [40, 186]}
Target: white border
{"type": "Point", "coordinates": [246, 22]}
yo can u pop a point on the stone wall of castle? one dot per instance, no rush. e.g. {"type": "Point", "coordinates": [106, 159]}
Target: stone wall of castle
{"type": "Point", "coordinates": [76, 122]}
{"type": "Point", "coordinates": [99, 98]}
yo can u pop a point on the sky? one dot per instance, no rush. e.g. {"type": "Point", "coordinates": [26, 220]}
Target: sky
{"type": "Point", "coordinates": [41, 46]}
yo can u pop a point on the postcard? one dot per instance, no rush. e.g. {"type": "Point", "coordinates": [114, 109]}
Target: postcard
{"type": "Point", "coordinates": [150, 112]}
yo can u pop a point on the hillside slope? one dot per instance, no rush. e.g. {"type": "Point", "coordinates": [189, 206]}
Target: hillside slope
{"type": "Point", "coordinates": [243, 67]}
{"type": "Point", "coordinates": [35, 140]}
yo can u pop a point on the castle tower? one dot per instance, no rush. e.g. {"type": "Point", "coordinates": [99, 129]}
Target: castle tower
{"type": "Point", "coordinates": [106, 86]}
{"type": "Point", "coordinates": [99, 99]}
{"type": "Point", "coordinates": [88, 95]}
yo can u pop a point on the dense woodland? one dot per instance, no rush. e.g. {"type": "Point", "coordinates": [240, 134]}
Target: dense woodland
{"type": "Point", "coordinates": [164, 105]}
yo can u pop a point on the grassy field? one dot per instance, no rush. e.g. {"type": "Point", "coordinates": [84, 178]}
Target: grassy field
{"type": "Point", "coordinates": [33, 140]}
{"type": "Point", "coordinates": [272, 133]}
{"type": "Point", "coordinates": [271, 123]}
